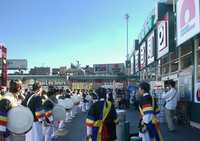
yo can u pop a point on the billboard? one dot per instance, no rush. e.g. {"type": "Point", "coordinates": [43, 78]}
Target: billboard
{"type": "Point", "coordinates": [132, 65]}
{"type": "Point", "coordinates": [137, 61]}
{"type": "Point", "coordinates": [109, 68]}
{"type": "Point", "coordinates": [82, 85]}
{"type": "Point", "coordinates": [100, 68]}
{"type": "Point", "coordinates": [187, 20]}
{"type": "Point", "coordinates": [116, 68]}
{"type": "Point", "coordinates": [150, 48]}
{"type": "Point", "coordinates": [143, 55]}
{"type": "Point", "coordinates": [163, 37]}
{"type": "Point", "coordinates": [16, 64]}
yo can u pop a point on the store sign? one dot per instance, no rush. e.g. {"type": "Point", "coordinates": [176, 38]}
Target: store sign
{"type": "Point", "coordinates": [52, 83]}
{"type": "Point", "coordinates": [116, 68]}
{"type": "Point", "coordinates": [150, 48]}
{"type": "Point", "coordinates": [163, 37]}
{"type": "Point", "coordinates": [136, 60]}
{"type": "Point", "coordinates": [82, 85]}
{"type": "Point", "coordinates": [101, 68]}
{"type": "Point", "coordinates": [132, 67]}
{"type": "Point", "coordinates": [188, 24]}
{"type": "Point", "coordinates": [143, 55]}
{"type": "Point", "coordinates": [110, 85]}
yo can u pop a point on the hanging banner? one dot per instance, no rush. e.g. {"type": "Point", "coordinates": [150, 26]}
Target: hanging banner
{"type": "Point", "coordinates": [82, 85]}
{"type": "Point", "coordinates": [4, 66]}
{"type": "Point", "coordinates": [110, 85]}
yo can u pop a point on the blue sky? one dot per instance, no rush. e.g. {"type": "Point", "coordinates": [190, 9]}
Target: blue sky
{"type": "Point", "coordinates": [56, 33]}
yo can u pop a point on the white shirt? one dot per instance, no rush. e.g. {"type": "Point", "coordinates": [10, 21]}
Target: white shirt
{"type": "Point", "coordinates": [12, 97]}
{"type": "Point", "coordinates": [171, 105]}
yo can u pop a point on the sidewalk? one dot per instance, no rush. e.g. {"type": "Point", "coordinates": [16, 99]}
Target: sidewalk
{"type": "Point", "coordinates": [183, 132]}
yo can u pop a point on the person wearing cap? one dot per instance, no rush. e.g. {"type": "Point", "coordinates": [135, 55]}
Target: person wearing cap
{"type": "Point", "coordinates": [149, 124]}
{"type": "Point", "coordinates": [6, 103]}
{"type": "Point", "coordinates": [102, 119]}
{"type": "Point", "coordinates": [34, 102]}
{"type": "Point", "coordinates": [48, 106]}
{"type": "Point", "coordinates": [171, 103]}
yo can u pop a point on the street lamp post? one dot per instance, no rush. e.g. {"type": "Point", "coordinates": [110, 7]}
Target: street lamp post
{"type": "Point", "coordinates": [126, 17]}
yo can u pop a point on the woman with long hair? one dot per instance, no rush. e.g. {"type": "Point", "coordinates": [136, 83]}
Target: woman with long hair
{"type": "Point", "coordinates": [8, 101]}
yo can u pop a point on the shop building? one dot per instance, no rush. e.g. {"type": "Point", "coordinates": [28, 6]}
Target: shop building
{"type": "Point", "coordinates": [168, 49]}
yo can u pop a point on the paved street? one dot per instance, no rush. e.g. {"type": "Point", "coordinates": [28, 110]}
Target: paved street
{"type": "Point", "coordinates": [76, 130]}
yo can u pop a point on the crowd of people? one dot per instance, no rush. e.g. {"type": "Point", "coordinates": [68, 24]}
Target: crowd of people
{"type": "Point", "coordinates": [41, 102]}
{"type": "Point", "coordinates": [102, 117]}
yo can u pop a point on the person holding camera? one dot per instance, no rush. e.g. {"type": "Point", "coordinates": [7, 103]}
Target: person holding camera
{"type": "Point", "coordinates": [170, 106]}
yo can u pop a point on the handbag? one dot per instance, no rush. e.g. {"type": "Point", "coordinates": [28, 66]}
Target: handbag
{"type": "Point", "coordinates": [88, 138]}
{"type": "Point", "coordinates": [164, 104]}
{"type": "Point", "coordinates": [143, 128]}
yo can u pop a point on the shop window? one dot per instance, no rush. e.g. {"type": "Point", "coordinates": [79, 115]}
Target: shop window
{"type": "Point", "coordinates": [198, 65]}
{"type": "Point", "coordinates": [186, 62]}
{"type": "Point", "coordinates": [159, 71]}
{"type": "Point", "coordinates": [174, 55]}
{"type": "Point", "coordinates": [174, 66]}
{"type": "Point", "coordinates": [166, 69]}
{"type": "Point", "coordinates": [165, 60]}
{"type": "Point", "coordinates": [185, 50]}
{"type": "Point", "coordinates": [198, 47]}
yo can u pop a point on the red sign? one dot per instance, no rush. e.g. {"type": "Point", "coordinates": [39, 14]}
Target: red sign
{"type": "Point", "coordinates": [4, 67]}
{"type": "Point", "coordinates": [143, 55]}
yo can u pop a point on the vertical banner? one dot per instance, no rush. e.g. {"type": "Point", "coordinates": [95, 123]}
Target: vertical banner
{"type": "Point", "coordinates": [4, 67]}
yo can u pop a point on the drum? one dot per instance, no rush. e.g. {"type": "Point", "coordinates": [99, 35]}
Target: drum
{"type": "Point", "coordinates": [88, 98]}
{"type": "Point", "coordinates": [74, 98]}
{"type": "Point", "coordinates": [58, 113]}
{"type": "Point", "coordinates": [20, 120]}
{"type": "Point", "coordinates": [62, 103]}
{"type": "Point", "coordinates": [79, 98]}
{"type": "Point", "coordinates": [70, 103]}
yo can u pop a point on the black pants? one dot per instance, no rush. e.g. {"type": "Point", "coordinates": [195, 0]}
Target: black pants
{"type": "Point", "coordinates": [127, 103]}
{"type": "Point", "coordinates": [121, 102]}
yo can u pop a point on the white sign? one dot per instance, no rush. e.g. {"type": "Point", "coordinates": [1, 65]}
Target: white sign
{"type": "Point", "coordinates": [150, 48]}
{"type": "Point", "coordinates": [143, 55]}
{"type": "Point", "coordinates": [15, 64]}
{"type": "Point", "coordinates": [116, 68]}
{"type": "Point", "coordinates": [101, 68]}
{"type": "Point", "coordinates": [52, 83]}
{"type": "Point", "coordinates": [163, 37]}
{"type": "Point", "coordinates": [132, 68]}
{"type": "Point", "coordinates": [187, 20]}
{"type": "Point", "coordinates": [136, 60]}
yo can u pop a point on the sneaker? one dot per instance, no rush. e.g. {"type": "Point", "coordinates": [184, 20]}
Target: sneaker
{"type": "Point", "coordinates": [73, 116]}
{"type": "Point", "coordinates": [70, 118]}
{"type": "Point", "coordinates": [55, 137]}
{"type": "Point", "coordinates": [68, 121]}
{"type": "Point", "coordinates": [61, 129]}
